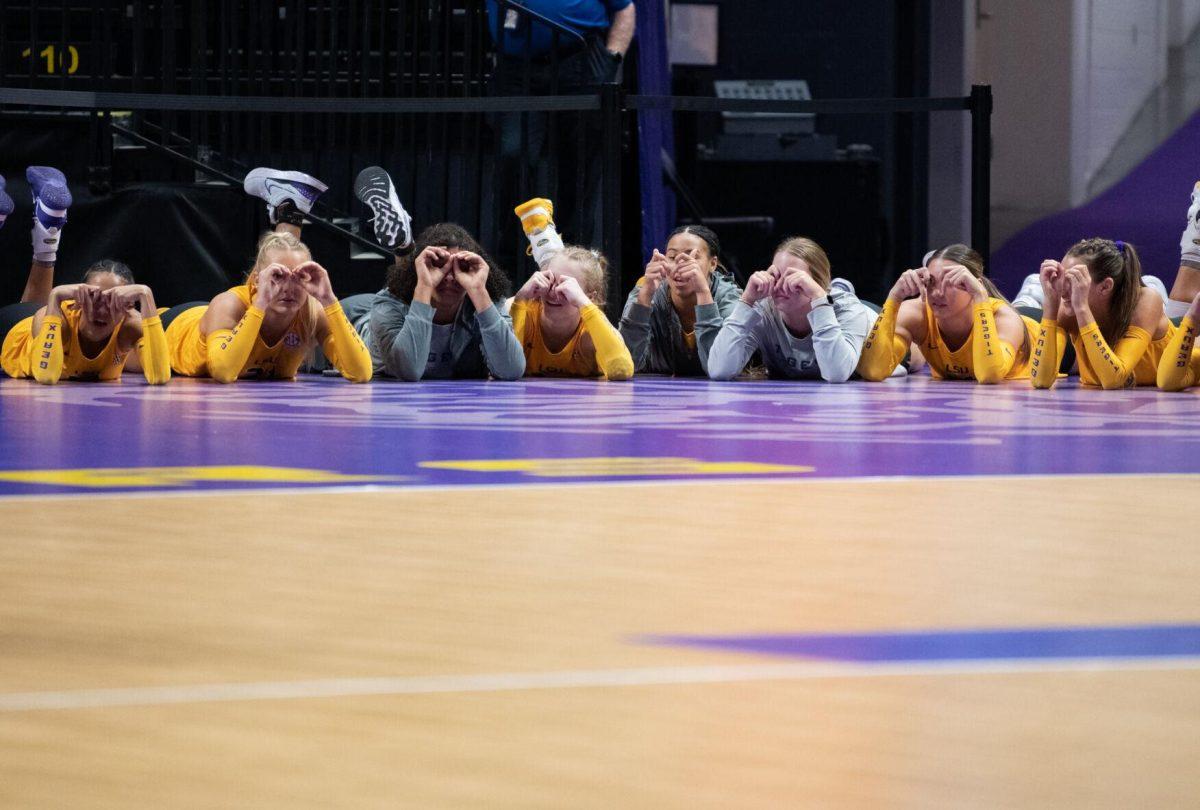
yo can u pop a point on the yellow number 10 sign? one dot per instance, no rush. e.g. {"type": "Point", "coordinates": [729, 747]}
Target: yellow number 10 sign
{"type": "Point", "coordinates": [54, 58]}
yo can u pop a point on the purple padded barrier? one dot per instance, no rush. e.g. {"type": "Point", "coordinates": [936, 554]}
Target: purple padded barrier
{"type": "Point", "coordinates": [655, 128]}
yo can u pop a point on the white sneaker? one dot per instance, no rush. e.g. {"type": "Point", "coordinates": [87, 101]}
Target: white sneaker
{"type": "Point", "coordinates": [1031, 293]}
{"type": "Point", "coordinates": [289, 195]}
{"type": "Point", "coordinates": [392, 224]}
{"type": "Point", "coordinates": [1156, 284]}
{"type": "Point", "coordinates": [1189, 243]}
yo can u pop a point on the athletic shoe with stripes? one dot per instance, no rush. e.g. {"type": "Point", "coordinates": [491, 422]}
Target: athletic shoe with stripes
{"type": "Point", "coordinates": [51, 199]}
{"type": "Point", "coordinates": [537, 220]}
{"type": "Point", "coordinates": [392, 224]}
{"type": "Point", "coordinates": [6, 203]}
{"type": "Point", "coordinates": [1189, 243]}
{"type": "Point", "coordinates": [289, 195]}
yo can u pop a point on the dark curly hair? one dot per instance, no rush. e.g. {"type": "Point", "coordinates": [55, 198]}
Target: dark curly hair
{"type": "Point", "coordinates": [118, 269]}
{"type": "Point", "coordinates": [402, 276]}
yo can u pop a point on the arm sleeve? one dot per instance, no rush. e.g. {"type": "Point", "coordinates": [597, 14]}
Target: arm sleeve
{"type": "Point", "coordinates": [402, 338]}
{"type": "Point", "coordinates": [611, 354]}
{"type": "Point", "coordinates": [635, 330]}
{"type": "Point", "coordinates": [1179, 367]}
{"type": "Point", "coordinates": [1046, 354]}
{"type": "Point", "coordinates": [838, 336]}
{"type": "Point", "coordinates": [344, 347]}
{"type": "Point", "coordinates": [991, 357]}
{"type": "Point", "coordinates": [883, 349]}
{"type": "Point", "coordinates": [46, 351]}
{"type": "Point", "coordinates": [153, 353]}
{"type": "Point", "coordinates": [708, 325]}
{"type": "Point", "coordinates": [735, 343]}
{"type": "Point", "coordinates": [228, 350]}
{"type": "Point", "coordinates": [1114, 368]}
{"type": "Point", "coordinates": [502, 351]}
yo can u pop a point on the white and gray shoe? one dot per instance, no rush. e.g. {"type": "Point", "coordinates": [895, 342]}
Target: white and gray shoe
{"type": "Point", "coordinates": [392, 224]}
{"type": "Point", "coordinates": [1189, 243]}
{"type": "Point", "coordinates": [289, 195]}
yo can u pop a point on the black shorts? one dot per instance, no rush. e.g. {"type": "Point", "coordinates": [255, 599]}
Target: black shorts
{"type": "Point", "coordinates": [174, 312]}
{"type": "Point", "coordinates": [13, 314]}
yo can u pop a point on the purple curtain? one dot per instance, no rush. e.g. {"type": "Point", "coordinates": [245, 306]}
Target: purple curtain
{"type": "Point", "coordinates": [655, 130]}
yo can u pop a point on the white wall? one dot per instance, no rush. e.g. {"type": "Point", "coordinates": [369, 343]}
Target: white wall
{"type": "Point", "coordinates": [952, 35]}
{"type": "Point", "coordinates": [1119, 57]}
{"type": "Point", "coordinates": [1024, 52]}
{"type": "Point", "coordinates": [1182, 18]}
{"type": "Point", "coordinates": [1068, 77]}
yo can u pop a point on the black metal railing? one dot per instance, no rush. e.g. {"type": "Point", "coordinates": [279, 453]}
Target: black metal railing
{"type": "Point", "coordinates": [608, 102]}
{"type": "Point", "coordinates": [329, 87]}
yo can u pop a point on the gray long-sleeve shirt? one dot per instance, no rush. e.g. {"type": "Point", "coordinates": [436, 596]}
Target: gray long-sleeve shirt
{"type": "Point", "coordinates": [399, 335]}
{"type": "Point", "coordinates": [654, 334]}
{"type": "Point", "coordinates": [830, 352]}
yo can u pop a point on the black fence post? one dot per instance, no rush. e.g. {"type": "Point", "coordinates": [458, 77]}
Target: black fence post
{"type": "Point", "coordinates": [981, 169]}
{"type": "Point", "coordinates": [611, 104]}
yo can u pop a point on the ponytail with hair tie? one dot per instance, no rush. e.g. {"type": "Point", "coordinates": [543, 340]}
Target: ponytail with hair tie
{"type": "Point", "coordinates": [1119, 261]}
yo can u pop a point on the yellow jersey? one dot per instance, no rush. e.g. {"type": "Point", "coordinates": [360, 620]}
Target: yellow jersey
{"type": "Point", "coordinates": [17, 355]}
{"type": "Point", "coordinates": [959, 364]}
{"type": "Point", "coordinates": [1091, 349]}
{"type": "Point", "coordinates": [602, 354]}
{"type": "Point", "coordinates": [281, 360]}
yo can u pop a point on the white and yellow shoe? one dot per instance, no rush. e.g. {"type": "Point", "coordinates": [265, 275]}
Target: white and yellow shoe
{"type": "Point", "coordinates": [537, 220]}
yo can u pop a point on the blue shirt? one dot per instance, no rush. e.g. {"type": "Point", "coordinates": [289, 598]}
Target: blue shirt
{"type": "Point", "coordinates": [581, 16]}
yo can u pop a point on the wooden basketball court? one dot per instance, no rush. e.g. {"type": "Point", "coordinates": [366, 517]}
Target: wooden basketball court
{"type": "Point", "coordinates": [758, 622]}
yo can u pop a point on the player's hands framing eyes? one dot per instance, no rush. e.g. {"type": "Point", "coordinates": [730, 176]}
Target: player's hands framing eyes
{"type": "Point", "coordinates": [911, 284]}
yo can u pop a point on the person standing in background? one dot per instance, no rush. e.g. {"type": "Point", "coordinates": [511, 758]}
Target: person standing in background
{"type": "Point", "coordinates": [589, 53]}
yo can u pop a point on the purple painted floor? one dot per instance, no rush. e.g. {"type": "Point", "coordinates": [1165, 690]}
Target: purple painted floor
{"type": "Point", "coordinates": [193, 435]}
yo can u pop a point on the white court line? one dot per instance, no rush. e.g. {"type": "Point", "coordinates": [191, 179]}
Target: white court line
{"type": "Point", "coordinates": [544, 483]}
{"type": "Point", "coordinates": [567, 679]}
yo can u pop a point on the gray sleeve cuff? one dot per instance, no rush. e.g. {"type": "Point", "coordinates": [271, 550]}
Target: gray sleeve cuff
{"type": "Point", "coordinates": [822, 317]}
{"type": "Point", "coordinates": [744, 314]}
{"type": "Point", "coordinates": [489, 318]}
{"type": "Point", "coordinates": [423, 311]}
{"type": "Point", "coordinates": [708, 315]}
{"type": "Point", "coordinates": [636, 313]}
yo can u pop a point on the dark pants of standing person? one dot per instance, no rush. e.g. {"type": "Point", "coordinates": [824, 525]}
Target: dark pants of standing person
{"type": "Point", "coordinates": [571, 176]}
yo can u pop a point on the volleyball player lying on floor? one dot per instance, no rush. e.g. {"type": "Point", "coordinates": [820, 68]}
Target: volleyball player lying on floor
{"type": "Point", "coordinates": [804, 323]}
{"type": "Point", "coordinates": [267, 327]}
{"type": "Point", "coordinates": [1117, 326]}
{"type": "Point", "coordinates": [674, 313]}
{"type": "Point", "coordinates": [557, 318]}
{"type": "Point", "coordinates": [557, 315]}
{"type": "Point", "coordinates": [83, 331]}
{"type": "Point", "coordinates": [439, 316]}
{"type": "Point", "coordinates": [963, 325]}
{"type": "Point", "coordinates": [424, 324]}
